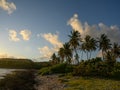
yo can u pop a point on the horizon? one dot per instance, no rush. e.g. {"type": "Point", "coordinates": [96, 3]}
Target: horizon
{"type": "Point", "coordinates": [36, 29]}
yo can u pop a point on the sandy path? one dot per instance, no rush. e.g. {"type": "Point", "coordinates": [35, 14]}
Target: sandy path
{"type": "Point", "coordinates": [49, 82]}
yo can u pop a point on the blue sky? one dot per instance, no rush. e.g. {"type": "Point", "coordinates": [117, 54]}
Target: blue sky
{"type": "Point", "coordinates": [37, 28]}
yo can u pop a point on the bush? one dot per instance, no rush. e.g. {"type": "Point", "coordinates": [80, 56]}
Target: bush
{"type": "Point", "coordinates": [59, 68]}
{"type": "Point", "coordinates": [44, 71]}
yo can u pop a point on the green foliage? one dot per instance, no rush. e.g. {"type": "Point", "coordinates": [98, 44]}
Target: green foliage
{"type": "Point", "coordinates": [23, 80]}
{"type": "Point", "coordinates": [88, 83]}
{"type": "Point", "coordinates": [39, 65]}
{"type": "Point", "coordinates": [44, 71]}
{"type": "Point", "coordinates": [58, 68]}
{"type": "Point", "coordinates": [92, 67]}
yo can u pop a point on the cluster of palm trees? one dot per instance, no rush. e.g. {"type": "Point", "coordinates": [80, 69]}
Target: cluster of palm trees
{"type": "Point", "coordinates": [74, 48]}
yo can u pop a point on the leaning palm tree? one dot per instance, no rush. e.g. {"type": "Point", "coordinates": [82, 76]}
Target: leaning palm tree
{"type": "Point", "coordinates": [75, 39]}
{"type": "Point", "coordinates": [67, 52]}
{"type": "Point", "coordinates": [104, 44]}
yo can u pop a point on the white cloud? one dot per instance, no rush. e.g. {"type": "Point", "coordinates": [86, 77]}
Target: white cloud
{"type": "Point", "coordinates": [45, 52]}
{"type": "Point", "coordinates": [75, 23]}
{"type": "Point", "coordinates": [25, 34]}
{"type": "Point", "coordinates": [7, 6]}
{"type": "Point", "coordinates": [53, 39]}
{"type": "Point", "coordinates": [113, 31]}
{"type": "Point", "coordinates": [13, 35]}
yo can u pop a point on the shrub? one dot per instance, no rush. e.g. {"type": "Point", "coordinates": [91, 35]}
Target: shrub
{"type": "Point", "coordinates": [44, 71]}
{"type": "Point", "coordinates": [59, 68]}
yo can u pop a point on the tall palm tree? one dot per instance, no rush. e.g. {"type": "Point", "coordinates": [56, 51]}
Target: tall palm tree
{"type": "Point", "coordinates": [93, 45]}
{"type": "Point", "coordinates": [104, 44]}
{"type": "Point", "coordinates": [75, 39]}
{"type": "Point", "coordinates": [67, 52]}
{"type": "Point", "coordinates": [86, 44]}
{"type": "Point", "coordinates": [82, 48]}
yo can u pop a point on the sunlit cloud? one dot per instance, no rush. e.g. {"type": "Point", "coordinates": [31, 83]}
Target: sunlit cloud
{"type": "Point", "coordinates": [75, 23]}
{"type": "Point", "coordinates": [113, 31]}
{"type": "Point", "coordinates": [25, 34]}
{"type": "Point", "coordinates": [7, 6]}
{"type": "Point", "coordinates": [53, 39]}
{"type": "Point", "coordinates": [45, 52]}
{"type": "Point", "coordinates": [13, 36]}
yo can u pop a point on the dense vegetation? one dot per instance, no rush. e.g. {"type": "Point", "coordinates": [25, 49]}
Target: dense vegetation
{"type": "Point", "coordinates": [72, 51]}
{"type": "Point", "coordinates": [22, 80]}
{"type": "Point", "coordinates": [56, 69]}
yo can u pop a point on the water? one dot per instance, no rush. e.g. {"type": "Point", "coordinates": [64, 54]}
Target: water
{"type": "Point", "coordinates": [4, 72]}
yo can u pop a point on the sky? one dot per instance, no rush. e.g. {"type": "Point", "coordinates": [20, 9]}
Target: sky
{"type": "Point", "coordinates": [35, 29]}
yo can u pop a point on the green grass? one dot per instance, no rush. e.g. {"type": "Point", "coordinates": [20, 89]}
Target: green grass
{"type": "Point", "coordinates": [82, 83]}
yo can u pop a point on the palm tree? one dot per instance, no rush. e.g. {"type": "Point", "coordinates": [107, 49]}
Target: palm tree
{"type": "Point", "coordinates": [104, 44]}
{"type": "Point", "coordinates": [75, 39]}
{"type": "Point", "coordinates": [82, 48]}
{"type": "Point", "coordinates": [86, 44]}
{"type": "Point", "coordinates": [67, 52]}
{"type": "Point", "coordinates": [93, 45]}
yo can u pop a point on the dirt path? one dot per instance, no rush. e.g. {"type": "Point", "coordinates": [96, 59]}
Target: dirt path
{"type": "Point", "coordinates": [49, 82]}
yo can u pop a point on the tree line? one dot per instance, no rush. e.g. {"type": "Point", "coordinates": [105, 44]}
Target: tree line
{"type": "Point", "coordinates": [76, 44]}
{"type": "Point", "coordinates": [73, 50]}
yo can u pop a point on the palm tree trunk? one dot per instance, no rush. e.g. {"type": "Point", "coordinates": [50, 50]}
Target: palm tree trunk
{"type": "Point", "coordinates": [76, 54]}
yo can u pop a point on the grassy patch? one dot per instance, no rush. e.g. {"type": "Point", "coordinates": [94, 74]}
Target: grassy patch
{"type": "Point", "coordinates": [81, 83]}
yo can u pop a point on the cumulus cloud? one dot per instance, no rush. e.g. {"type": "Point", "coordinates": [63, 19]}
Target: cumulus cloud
{"type": "Point", "coordinates": [13, 35]}
{"type": "Point", "coordinates": [113, 31]}
{"type": "Point", "coordinates": [53, 39]}
{"type": "Point", "coordinates": [75, 23]}
{"type": "Point", "coordinates": [45, 52]}
{"type": "Point", "coordinates": [25, 34]}
{"type": "Point", "coordinates": [7, 6]}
